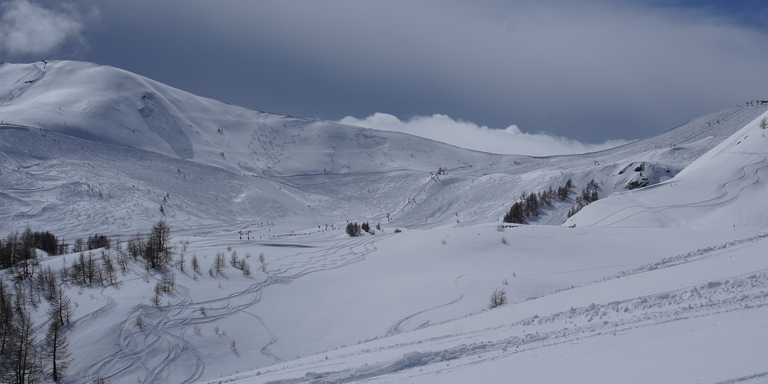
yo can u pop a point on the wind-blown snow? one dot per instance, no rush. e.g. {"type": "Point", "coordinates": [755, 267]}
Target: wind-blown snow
{"type": "Point", "coordinates": [510, 140]}
{"type": "Point", "coordinates": [651, 285]}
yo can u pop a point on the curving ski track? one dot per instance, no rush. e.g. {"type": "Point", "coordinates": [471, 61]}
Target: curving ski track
{"type": "Point", "coordinates": [735, 294]}
{"type": "Point", "coordinates": [396, 327]}
{"type": "Point", "coordinates": [725, 195]}
{"type": "Point", "coordinates": [150, 351]}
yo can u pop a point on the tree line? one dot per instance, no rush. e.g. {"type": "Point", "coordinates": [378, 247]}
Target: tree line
{"type": "Point", "coordinates": [23, 358]}
{"type": "Point", "coordinates": [19, 248]}
{"type": "Point", "coordinates": [355, 229]}
{"type": "Point", "coordinates": [588, 195]}
{"type": "Point", "coordinates": [528, 205]}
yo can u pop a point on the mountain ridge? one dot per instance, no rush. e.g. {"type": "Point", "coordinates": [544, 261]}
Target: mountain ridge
{"type": "Point", "coordinates": [335, 172]}
{"type": "Point", "coordinates": [653, 276]}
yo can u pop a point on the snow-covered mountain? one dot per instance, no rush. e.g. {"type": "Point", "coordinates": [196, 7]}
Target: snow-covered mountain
{"type": "Point", "coordinates": [661, 283]}
{"type": "Point", "coordinates": [723, 189]}
{"type": "Point", "coordinates": [115, 146]}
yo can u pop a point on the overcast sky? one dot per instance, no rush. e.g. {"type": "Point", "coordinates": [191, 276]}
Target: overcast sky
{"type": "Point", "coordinates": [588, 70]}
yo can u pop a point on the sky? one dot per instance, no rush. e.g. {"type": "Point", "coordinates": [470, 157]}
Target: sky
{"type": "Point", "coordinates": [592, 73]}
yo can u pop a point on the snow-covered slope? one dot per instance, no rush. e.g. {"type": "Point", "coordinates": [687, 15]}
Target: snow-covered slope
{"type": "Point", "coordinates": [88, 149]}
{"type": "Point", "coordinates": [117, 145]}
{"type": "Point", "coordinates": [694, 316]}
{"type": "Point", "coordinates": [723, 189]}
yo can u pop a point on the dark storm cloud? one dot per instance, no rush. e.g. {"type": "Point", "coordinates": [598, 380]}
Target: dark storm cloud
{"type": "Point", "coordinates": [588, 70]}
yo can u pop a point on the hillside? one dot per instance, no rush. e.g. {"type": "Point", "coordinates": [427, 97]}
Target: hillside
{"type": "Point", "coordinates": [722, 190]}
{"type": "Point", "coordinates": [653, 284]}
{"type": "Point", "coordinates": [98, 129]}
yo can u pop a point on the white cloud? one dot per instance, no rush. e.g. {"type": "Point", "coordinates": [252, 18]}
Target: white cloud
{"type": "Point", "coordinates": [28, 28]}
{"type": "Point", "coordinates": [469, 135]}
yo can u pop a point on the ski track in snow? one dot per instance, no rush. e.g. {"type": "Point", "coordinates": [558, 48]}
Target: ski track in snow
{"type": "Point", "coordinates": [69, 175]}
{"type": "Point", "coordinates": [709, 128]}
{"type": "Point", "coordinates": [85, 320]}
{"type": "Point", "coordinates": [396, 327]}
{"type": "Point", "coordinates": [740, 293]}
{"type": "Point", "coordinates": [724, 197]}
{"type": "Point", "coordinates": [756, 378]}
{"type": "Point", "coordinates": [151, 350]}
{"type": "Point", "coordinates": [265, 349]}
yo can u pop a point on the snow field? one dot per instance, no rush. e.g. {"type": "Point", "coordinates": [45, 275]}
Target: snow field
{"type": "Point", "coordinates": [652, 285]}
{"type": "Point", "coordinates": [387, 288]}
{"type": "Point", "coordinates": [684, 322]}
{"type": "Point", "coordinates": [272, 165]}
{"type": "Point", "coordinates": [723, 189]}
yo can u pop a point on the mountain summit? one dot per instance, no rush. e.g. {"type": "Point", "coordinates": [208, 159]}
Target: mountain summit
{"type": "Point", "coordinates": [111, 141]}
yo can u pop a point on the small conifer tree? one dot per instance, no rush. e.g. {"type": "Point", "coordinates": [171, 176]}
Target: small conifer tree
{"type": "Point", "coordinates": [498, 298]}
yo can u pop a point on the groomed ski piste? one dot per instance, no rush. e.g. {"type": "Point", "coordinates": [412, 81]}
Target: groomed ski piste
{"type": "Point", "coordinates": [665, 283]}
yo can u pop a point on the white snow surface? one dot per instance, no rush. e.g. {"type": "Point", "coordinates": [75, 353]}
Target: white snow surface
{"type": "Point", "coordinates": [723, 189]}
{"type": "Point", "coordinates": [665, 283]}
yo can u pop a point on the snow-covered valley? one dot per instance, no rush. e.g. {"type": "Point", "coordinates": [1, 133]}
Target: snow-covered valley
{"type": "Point", "coordinates": [662, 283]}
